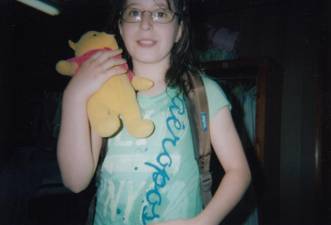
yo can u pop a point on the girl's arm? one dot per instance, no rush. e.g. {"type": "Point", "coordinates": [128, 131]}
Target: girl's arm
{"type": "Point", "coordinates": [78, 147]}
{"type": "Point", "coordinates": [229, 151]}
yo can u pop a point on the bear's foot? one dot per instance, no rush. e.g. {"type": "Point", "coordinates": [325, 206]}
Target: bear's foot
{"type": "Point", "coordinates": [107, 126]}
{"type": "Point", "coordinates": [140, 128]}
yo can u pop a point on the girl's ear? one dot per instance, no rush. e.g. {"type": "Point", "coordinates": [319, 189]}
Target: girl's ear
{"type": "Point", "coordinates": [179, 32]}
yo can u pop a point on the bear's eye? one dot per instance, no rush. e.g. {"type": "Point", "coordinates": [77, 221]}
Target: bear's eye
{"type": "Point", "coordinates": [94, 35]}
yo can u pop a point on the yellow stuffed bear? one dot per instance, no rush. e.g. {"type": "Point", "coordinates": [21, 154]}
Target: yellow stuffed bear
{"type": "Point", "coordinates": [116, 98]}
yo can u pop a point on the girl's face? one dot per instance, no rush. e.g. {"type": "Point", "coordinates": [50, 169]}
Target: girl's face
{"type": "Point", "coordinates": [148, 41]}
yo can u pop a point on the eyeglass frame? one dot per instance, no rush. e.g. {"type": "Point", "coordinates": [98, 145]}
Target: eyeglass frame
{"type": "Point", "coordinates": [174, 14]}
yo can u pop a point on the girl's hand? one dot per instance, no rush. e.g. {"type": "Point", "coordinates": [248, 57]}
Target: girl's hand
{"type": "Point", "coordinates": [94, 72]}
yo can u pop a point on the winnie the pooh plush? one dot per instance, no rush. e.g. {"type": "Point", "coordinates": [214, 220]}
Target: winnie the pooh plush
{"type": "Point", "coordinates": [116, 99]}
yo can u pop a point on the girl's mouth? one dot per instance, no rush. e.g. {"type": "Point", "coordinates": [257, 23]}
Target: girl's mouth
{"type": "Point", "coordinates": [146, 43]}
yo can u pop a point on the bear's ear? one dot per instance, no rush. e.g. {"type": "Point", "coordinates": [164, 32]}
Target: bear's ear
{"type": "Point", "coordinates": [72, 45]}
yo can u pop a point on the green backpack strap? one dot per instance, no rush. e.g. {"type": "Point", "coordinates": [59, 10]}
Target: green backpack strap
{"type": "Point", "coordinates": [198, 107]}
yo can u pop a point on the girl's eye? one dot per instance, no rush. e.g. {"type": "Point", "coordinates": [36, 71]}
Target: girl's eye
{"type": "Point", "coordinates": [133, 13]}
{"type": "Point", "coordinates": [161, 13]}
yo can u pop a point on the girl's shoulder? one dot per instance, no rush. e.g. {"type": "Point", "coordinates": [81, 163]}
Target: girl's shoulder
{"type": "Point", "coordinates": [209, 81]}
{"type": "Point", "coordinates": [216, 96]}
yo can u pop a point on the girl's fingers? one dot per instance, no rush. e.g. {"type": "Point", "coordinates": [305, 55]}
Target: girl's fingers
{"type": "Point", "coordinates": [115, 70]}
{"type": "Point", "coordinates": [107, 65]}
{"type": "Point", "coordinates": [120, 69]}
{"type": "Point", "coordinates": [102, 65]}
{"type": "Point", "coordinates": [104, 60]}
{"type": "Point", "coordinates": [105, 55]}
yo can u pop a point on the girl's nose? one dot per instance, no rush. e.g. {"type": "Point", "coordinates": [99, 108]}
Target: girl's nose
{"type": "Point", "coordinates": [146, 22]}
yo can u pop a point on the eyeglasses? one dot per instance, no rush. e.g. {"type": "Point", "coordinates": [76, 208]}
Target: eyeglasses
{"type": "Point", "coordinates": [133, 15]}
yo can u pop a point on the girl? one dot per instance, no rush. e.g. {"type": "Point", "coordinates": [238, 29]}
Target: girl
{"type": "Point", "coordinates": [153, 180]}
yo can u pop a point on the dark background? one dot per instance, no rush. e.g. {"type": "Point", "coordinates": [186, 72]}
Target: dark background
{"type": "Point", "coordinates": [294, 34]}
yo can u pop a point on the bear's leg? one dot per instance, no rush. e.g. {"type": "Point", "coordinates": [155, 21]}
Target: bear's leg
{"type": "Point", "coordinates": [139, 127]}
{"type": "Point", "coordinates": [125, 103]}
{"type": "Point", "coordinates": [104, 121]}
{"type": "Point", "coordinates": [133, 121]}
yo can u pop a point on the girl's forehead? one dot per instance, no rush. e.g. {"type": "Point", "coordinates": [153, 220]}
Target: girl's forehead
{"type": "Point", "coordinates": [149, 3]}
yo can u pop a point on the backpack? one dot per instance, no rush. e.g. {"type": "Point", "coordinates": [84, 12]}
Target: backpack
{"type": "Point", "coordinates": [197, 106]}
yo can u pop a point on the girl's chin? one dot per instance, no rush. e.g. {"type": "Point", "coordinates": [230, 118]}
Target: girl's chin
{"type": "Point", "coordinates": [149, 59]}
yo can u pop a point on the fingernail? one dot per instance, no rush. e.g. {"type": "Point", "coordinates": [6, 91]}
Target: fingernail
{"type": "Point", "coordinates": [124, 66]}
{"type": "Point", "coordinates": [117, 56]}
